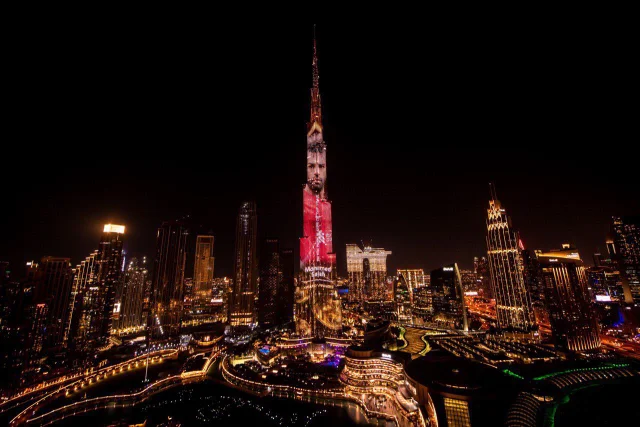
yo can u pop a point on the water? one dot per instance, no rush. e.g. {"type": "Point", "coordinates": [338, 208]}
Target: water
{"type": "Point", "coordinates": [214, 404]}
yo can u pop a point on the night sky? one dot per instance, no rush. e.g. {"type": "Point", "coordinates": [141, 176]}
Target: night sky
{"type": "Point", "coordinates": [134, 130]}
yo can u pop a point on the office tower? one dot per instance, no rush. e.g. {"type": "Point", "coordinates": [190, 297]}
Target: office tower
{"type": "Point", "coordinates": [481, 268]}
{"type": "Point", "coordinates": [531, 275]}
{"type": "Point", "coordinates": [469, 280]}
{"type": "Point", "coordinates": [403, 299]}
{"type": "Point", "coordinates": [573, 323]}
{"type": "Point", "coordinates": [84, 293]}
{"type": "Point", "coordinates": [286, 287]}
{"type": "Point", "coordinates": [414, 277]}
{"type": "Point", "coordinates": [203, 272]}
{"type": "Point", "coordinates": [605, 284]}
{"type": "Point", "coordinates": [270, 278]}
{"type": "Point", "coordinates": [167, 283]}
{"type": "Point", "coordinates": [53, 288]}
{"type": "Point", "coordinates": [513, 303]}
{"type": "Point", "coordinates": [626, 250]}
{"type": "Point", "coordinates": [130, 298]}
{"type": "Point", "coordinates": [220, 298]}
{"type": "Point", "coordinates": [423, 303]}
{"type": "Point", "coordinates": [448, 296]}
{"type": "Point", "coordinates": [318, 309]}
{"type": "Point", "coordinates": [93, 296]}
{"type": "Point", "coordinates": [367, 270]}
{"type": "Point", "coordinates": [242, 310]}
{"type": "Point", "coordinates": [110, 257]}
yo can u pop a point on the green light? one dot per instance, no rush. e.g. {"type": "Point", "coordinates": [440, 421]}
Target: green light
{"type": "Point", "coordinates": [569, 371]}
{"type": "Point", "coordinates": [512, 374]}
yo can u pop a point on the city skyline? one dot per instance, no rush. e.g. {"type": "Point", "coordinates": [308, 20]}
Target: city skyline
{"type": "Point", "coordinates": [387, 155]}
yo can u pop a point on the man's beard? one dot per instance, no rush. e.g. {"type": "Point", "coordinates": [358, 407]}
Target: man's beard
{"type": "Point", "coordinates": [316, 185]}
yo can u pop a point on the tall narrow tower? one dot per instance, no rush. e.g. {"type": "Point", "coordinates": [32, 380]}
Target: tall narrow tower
{"type": "Point", "coordinates": [317, 309]}
{"type": "Point", "coordinates": [513, 304]}
{"type": "Point", "coordinates": [242, 310]}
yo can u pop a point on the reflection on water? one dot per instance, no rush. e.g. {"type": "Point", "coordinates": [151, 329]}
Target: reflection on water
{"type": "Point", "coordinates": [214, 404]}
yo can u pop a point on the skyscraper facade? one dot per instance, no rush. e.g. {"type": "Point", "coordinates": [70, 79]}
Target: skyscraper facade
{"type": "Point", "coordinates": [94, 287]}
{"type": "Point", "coordinates": [448, 296]}
{"type": "Point", "coordinates": [286, 287]}
{"type": "Point", "coordinates": [513, 303]}
{"type": "Point", "coordinates": [415, 277]}
{"type": "Point", "coordinates": [167, 283]}
{"type": "Point", "coordinates": [573, 323]}
{"type": "Point", "coordinates": [626, 232]}
{"type": "Point", "coordinates": [53, 288]}
{"type": "Point", "coordinates": [242, 311]}
{"type": "Point", "coordinates": [270, 278]}
{"type": "Point", "coordinates": [367, 270]}
{"type": "Point", "coordinates": [402, 296]}
{"type": "Point", "coordinates": [318, 308]}
{"type": "Point", "coordinates": [203, 272]}
{"type": "Point", "coordinates": [130, 298]}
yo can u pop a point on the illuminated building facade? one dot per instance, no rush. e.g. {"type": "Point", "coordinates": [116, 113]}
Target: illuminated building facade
{"type": "Point", "coordinates": [94, 288]}
{"type": "Point", "coordinates": [423, 302]}
{"type": "Point", "coordinates": [513, 303]}
{"type": "Point", "coordinates": [53, 288]}
{"type": "Point", "coordinates": [469, 280]}
{"type": "Point", "coordinates": [367, 269]}
{"type": "Point", "coordinates": [605, 284]}
{"type": "Point", "coordinates": [403, 298]}
{"type": "Point", "coordinates": [203, 272]}
{"type": "Point", "coordinates": [270, 278]}
{"type": "Point", "coordinates": [573, 323]}
{"type": "Point", "coordinates": [128, 311]}
{"type": "Point", "coordinates": [167, 283]}
{"type": "Point", "coordinates": [415, 278]}
{"type": "Point", "coordinates": [242, 310]}
{"type": "Point", "coordinates": [481, 268]}
{"type": "Point", "coordinates": [448, 296]}
{"type": "Point", "coordinates": [318, 310]}
{"type": "Point", "coordinates": [627, 252]}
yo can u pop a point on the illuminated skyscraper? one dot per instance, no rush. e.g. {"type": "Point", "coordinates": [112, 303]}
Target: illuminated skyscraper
{"type": "Point", "coordinates": [167, 283]}
{"type": "Point", "coordinates": [513, 303]}
{"type": "Point", "coordinates": [203, 272]}
{"type": "Point", "coordinates": [94, 290]}
{"type": "Point", "coordinates": [270, 278]}
{"type": "Point", "coordinates": [605, 284]}
{"type": "Point", "coordinates": [573, 323]}
{"type": "Point", "coordinates": [53, 288]}
{"type": "Point", "coordinates": [242, 311]}
{"type": "Point", "coordinates": [415, 278]}
{"type": "Point", "coordinates": [130, 299]}
{"type": "Point", "coordinates": [318, 309]}
{"type": "Point", "coordinates": [402, 296]}
{"type": "Point", "coordinates": [367, 269]}
{"type": "Point", "coordinates": [481, 268]}
{"type": "Point", "coordinates": [448, 296]}
{"type": "Point", "coordinates": [627, 252]}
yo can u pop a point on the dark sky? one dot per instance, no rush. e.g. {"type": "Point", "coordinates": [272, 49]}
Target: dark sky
{"type": "Point", "coordinates": [136, 129]}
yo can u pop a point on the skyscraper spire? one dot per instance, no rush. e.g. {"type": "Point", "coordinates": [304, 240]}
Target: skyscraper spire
{"type": "Point", "coordinates": [315, 122]}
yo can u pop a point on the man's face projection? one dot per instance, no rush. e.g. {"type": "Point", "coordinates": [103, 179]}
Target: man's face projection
{"type": "Point", "coordinates": [316, 170]}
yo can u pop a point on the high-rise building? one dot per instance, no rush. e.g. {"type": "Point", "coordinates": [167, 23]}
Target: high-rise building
{"type": "Point", "coordinates": [167, 283]}
{"type": "Point", "coordinates": [605, 284]}
{"type": "Point", "coordinates": [93, 294]}
{"type": "Point", "coordinates": [130, 298]}
{"type": "Point", "coordinates": [286, 287]}
{"type": "Point", "coordinates": [270, 278]}
{"type": "Point", "coordinates": [626, 230]}
{"type": "Point", "coordinates": [414, 277]}
{"type": "Point", "coordinates": [203, 272]}
{"type": "Point", "coordinates": [318, 310]}
{"type": "Point", "coordinates": [481, 268]}
{"type": "Point", "coordinates": [402, 296]}
{"type": "Point", "coordinates": [573, 323]}
{"type": "Point", "coordinates": [242, 311]}
{"type": "Point", "coordinates": [367, 270]}
{"type": "Point", "coordinates": [84, 293]}
{"type": "Point", "coordinates": [53, 288]}
{"type": "Point", "coordinates": [469, 280]}
{"type": "Point", "coordinates": [513, 303]}
{"type": "Point", "coordinates": [448, 296]}
{"type": "Point", "coordinates": [531, 275]}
